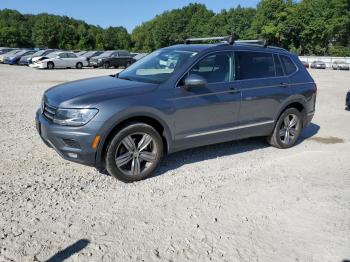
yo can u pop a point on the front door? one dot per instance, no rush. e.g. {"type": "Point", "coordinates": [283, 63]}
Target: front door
{"type": "Point", "coordinates": [207, 115]}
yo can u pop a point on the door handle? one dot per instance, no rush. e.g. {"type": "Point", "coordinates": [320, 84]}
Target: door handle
{"type": "Point", "coordinates": [283, 84]}
{"type": "Point", "coordinates": [233, 89]}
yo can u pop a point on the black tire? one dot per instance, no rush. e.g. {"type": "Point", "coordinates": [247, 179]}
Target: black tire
{"type": "Point", "coordinates": [106, 65]}
{"type": "Point", "coordinates": [134, 159]}
{"type": "Point", "coordinates": [277, 139]}
{"type": "Point", "coordinates": [79, 65]}
{"type": "Point", "coordinates": [94, 66]}
{"type": "Point", "coordinates": [50, 65]}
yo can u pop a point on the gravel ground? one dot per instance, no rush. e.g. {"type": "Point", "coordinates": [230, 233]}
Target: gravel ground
{"type": "Point", "coordinates": [238, 201]}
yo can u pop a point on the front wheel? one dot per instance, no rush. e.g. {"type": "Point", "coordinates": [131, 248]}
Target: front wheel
{"type": "Point", "coordinates": [287, 129]}
{"type": "Point", "coordinates": [50, 65]}
{"type": "Point", "coordinates": [79, 65]}
{"type": "Point", "coordinates": [134, 152]}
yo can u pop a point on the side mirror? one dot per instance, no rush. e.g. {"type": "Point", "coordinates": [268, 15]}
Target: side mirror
{"type": "Point", "coordinates": [194, 81]}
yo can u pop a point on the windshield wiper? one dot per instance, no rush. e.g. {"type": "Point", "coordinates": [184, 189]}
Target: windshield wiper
{"type": "Point", "coordinates": [123, 78]}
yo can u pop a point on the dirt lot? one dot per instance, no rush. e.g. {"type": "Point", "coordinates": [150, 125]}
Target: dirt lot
{"type": "Point", "coordinates": [238, 201]}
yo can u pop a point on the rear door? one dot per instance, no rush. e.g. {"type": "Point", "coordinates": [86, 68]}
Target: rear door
{"type": "Point", "coordinates": [208, 114]}
{"type": "Point", "coordinates": [72, 60]}
{"type": "Point", "coordinates": [261, 79]}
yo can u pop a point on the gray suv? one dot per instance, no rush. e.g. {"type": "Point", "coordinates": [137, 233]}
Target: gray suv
{"type": "Point", "coordinates": [176, 98]}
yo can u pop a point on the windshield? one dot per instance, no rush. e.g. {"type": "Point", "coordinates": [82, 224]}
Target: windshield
{"type": "Point", "coordinates": [13, 52]}
{"type": "Point", "coordinates": [88, 53]}
{"type": "Point", "coordinates": [39, 53]}
{"type": "Point", "coordinates": [52, 55]}
{"type": "Point", "coordinates": [105, 54]}
{"type": "Point", "coordinates": [157, 67]}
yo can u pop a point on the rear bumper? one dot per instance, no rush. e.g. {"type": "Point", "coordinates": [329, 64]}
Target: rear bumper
{"type": "Point", "coordinates": [308, 118]}
{"type": "Point", "coordinates": [71, 143]}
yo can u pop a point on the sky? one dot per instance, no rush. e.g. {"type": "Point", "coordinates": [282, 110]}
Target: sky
{"type": "Point", "coordinates": [105, 13]}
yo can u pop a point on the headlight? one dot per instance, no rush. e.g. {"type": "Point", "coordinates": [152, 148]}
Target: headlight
{"type": "Point", "coordinates": [74, 117]}
{"type": "Point", "coordinates": [99, 60]}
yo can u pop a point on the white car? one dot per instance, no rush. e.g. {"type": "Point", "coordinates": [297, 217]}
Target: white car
{"type": "Point", "coordinates": [59, 59]}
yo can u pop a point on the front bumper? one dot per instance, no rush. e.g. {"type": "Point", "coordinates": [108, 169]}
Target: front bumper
{"type": "Point", "coordinates": [95, 63]}
{"type": "Point", "coordinates": [71, 143]}
{"type": "Point", "coordinates": [10, 61]}
{"type": "Point", "coordinates": [23, 62]}
{"type": "Point", "coordinates": [37, 65]}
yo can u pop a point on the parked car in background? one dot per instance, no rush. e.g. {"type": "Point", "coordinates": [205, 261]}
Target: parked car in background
{"type": "Point", "coordinates": [60, 59]}
{"type": "Point", "coordinates": [112, 59]}
{"type": "Point", "coordinates": [4, 50]}
{"type": "Point", "coordinates": [125, 123]}
{"type": "Point", "coordinates": [318, 65]}
{"type": "Point", "coordinates": [14, 59]}
{"type": "Point", "coordinates": [27, 59]}
{"type": "Point", "coordinates": [80, 53]}
{"type": "Point", "coordinates": [10, 53]}
{"type": "Point", "coordinates": [88, 55]}
{"type": "Point", "coordinates": [306, 64]}
{"type": "Point", "coordinates": [139, 56]}
{"type": "Point", "coordinates": [340, 65]}
{"type": "Point", "coordinates": [347, 101]}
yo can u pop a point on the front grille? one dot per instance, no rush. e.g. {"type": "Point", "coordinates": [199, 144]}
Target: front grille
{"type": "Point", "coordinates": [49, 111]}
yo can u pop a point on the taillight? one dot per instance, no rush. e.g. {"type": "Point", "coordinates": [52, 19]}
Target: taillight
{"type": "Point", "coordinates": [314, 89]}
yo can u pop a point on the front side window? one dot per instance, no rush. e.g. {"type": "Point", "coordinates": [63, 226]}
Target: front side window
{"type": "Point", "coordinates": [63, 55]}
{"type": "Point", "coordinates": [250, 65]}
{"type": "Point", "coordinates": [158, 66]}
{"type": "Point", "coordinates": [215, 68]}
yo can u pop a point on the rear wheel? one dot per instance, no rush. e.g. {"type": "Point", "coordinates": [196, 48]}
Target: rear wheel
{"type": "Point", "coordinates": [106, 65]}
{"type": "Point", "coordinates": [287, 129]}
{"type": "Point", "coordinates": [79, 65]}
{"type": "Point", "coordinates": [134, 153]}
{"type": "Point", "coordinates": [50, 65]}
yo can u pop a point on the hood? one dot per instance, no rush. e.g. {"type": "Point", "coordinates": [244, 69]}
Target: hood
{"type": "Point", "coordinates": [89, 92]}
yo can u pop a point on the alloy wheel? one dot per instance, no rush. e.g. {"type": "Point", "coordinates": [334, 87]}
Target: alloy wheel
{"type": "Point", "coordinates": [135, 154]}
{"type": "Point", "coordinates": [289, 129]}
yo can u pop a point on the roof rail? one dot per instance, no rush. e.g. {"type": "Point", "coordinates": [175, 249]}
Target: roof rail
{"type": "Point", "coordinates": [252, 42]}
{"type": "Point", "coordinates": [227, 39]}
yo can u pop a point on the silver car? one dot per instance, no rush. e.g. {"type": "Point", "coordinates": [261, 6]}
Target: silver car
{"type": "Point", "coordinates": [340, 65]}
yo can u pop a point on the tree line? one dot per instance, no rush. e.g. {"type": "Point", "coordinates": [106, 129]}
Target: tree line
{"type": "Point", "coordinates": [307, 27]}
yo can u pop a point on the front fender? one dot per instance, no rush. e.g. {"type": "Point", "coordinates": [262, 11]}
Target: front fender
{"type": "Point", "coordinates": [126, 114]}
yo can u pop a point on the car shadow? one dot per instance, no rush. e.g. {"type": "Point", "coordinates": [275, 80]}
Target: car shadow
{"type": "Point", "coordinates": [69, 251]}
{"type": "Point", "coordinates": [178, 159]}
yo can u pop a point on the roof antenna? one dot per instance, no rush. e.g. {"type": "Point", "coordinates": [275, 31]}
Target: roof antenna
{"type": "Point", "coordinates": [231, 38]}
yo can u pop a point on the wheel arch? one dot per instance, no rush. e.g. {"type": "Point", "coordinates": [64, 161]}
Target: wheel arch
{"type": "Point", "coordinates": [159, 125]}
{"type": "Point", "coordinates": [298, 103]}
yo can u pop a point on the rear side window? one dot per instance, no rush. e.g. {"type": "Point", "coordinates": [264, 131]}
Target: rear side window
{"type": "Point", "coordinates": [251, 65]}
{"type": "Point", "coordinates": [289, 66]}
{"type": "Point", "coordinates": [278, 65]}
{"type": "Point", "coordinates": [70, 55]}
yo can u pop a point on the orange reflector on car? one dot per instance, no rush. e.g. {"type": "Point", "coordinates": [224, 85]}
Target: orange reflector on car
{"type": "Point", "coordinates": [95, 142]}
